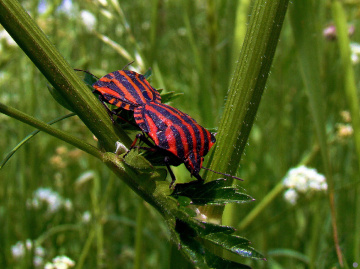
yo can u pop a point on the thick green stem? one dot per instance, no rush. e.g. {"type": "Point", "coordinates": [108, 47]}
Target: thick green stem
{"type": "Point", "coordinates": [353, 102]}
{"type": "Point", "coordinates": [139, 238]}
{"type": "Point", "coordinates": [247, 87]}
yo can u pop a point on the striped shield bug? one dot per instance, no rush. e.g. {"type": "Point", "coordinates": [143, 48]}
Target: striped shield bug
{"type": "Point", "coordinates": [177, 134]}
{"type": "Point", "coordinates": [174, 135]}
{"type": "Point", "coordinates": [126, 89]}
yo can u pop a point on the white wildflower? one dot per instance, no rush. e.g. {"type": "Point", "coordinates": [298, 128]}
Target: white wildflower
{"type": "Point", "coordinates": [18, 251]}
{"type": "Point", "coordinates": [39, 251]}
{"type": "Point", "coordinates": [50, 199]}
{"type": "Point", "coordinates": [28, 244]}
{"type": "Point", "coordinates": [86, 217]}
{"type": "Point", "coordinates": [303, 180]}
{"type": "Point", "coordinates": [291, 196]}
{"type": "Point", "coordinates": [66, 7]}
{"type": "Point", "coordinates": [344, 130]}
{"type": "Point", "coordinates": [38, 261]}
{"type": "Point", "coordinates": [88, 20]}
{"type": "Point", "coordinates": [355, 52]}
{"type": "Point", "coordinates": [60, 262]}
{"type": "Point", "coordinates": [68, 204]}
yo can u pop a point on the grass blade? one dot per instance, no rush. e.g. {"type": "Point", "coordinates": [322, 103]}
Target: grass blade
{"type": "Point", "coordinates": [27, 138]}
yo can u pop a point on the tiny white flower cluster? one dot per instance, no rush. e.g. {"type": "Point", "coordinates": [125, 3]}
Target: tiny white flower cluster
{"type": "Point", "coordinates": [86, 217]}
{"type": "Point", "coordinates": [18, 252]}
{"type": "Point", "coordinates": [60, 262]}
{"type": "Point", "coordinates": [303, 180]}
{"type": "Point", "coordinates": [49, 198]}
{"type": "Point", "coordinates": [88, 19]}
{"type": "Point", "coordinates": [355, 52]}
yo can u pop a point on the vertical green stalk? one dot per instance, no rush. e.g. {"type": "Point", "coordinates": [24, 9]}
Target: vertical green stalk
{"type": "Point", "coordinates": [85, 251]}
{"type": "Point", "coordinates": [98, 216]}
{"type": "Point", "coordinates": [306, 23]}
{"type": "Point", "coordinates": [246, 88]}
{"type": "Point", "coordinates": [139, 236]}
{"type": "Point", "coordinates": [240, 28]}
{"type": "Point", "coordinates": [212, 26]}
{"type": "Point", "coordinates": [155, 7]}
{"type": "Point", "coordinates": [353, 102]}
{"type": "Point", "coordinates": [239, 35]}
{"type": "Point", "coordinates": [204, 98]}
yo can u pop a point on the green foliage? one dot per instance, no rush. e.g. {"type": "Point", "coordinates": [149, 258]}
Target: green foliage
{"type": "Point", "coordinates": [190, 46]}
{"type": "Point", "coordinates": [215, 192]}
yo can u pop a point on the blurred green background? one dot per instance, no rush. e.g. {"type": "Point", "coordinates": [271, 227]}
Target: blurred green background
{"type": "Point", "coordinates": [67, 203]}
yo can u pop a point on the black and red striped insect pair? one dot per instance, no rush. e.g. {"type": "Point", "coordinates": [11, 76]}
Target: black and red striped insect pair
{"type": "Point", "coordinates": [177, 136]}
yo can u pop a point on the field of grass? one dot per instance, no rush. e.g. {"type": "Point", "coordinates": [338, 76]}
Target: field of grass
{"type": "Point", "coordinates": [58, 200]}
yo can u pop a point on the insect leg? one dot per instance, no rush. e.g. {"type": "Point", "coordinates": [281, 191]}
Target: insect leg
{"type": "Point", "coordinates": [173, 178]}
{"type": "Point", "coordinates": [143, 138]}
{"type": "Point", "coordinates": [111, 113]}
{"type": "Point", "coordinates": [198, 177]}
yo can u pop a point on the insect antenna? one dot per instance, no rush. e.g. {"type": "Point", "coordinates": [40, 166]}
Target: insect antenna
{"type": "Point", "coordinates": [227, 175]}
{"type": "Point", "coordinates": [127, 65]}
{"type": "Point", "coordinates": [87, 72]}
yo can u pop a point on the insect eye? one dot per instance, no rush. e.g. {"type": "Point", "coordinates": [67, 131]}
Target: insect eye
{"type": "Point", "coordinates": [146, 95]}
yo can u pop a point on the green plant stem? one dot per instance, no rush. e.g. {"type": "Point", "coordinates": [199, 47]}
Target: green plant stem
{"type": "Point", "coordinates": [240, 28]}
{"type": "Point", "coordinates": [306, 24]}
{"type": "Point", "coordinates": [261, 206]}
{"type": "Point", "coordinates": [204, 98]}
{"type": "Point", "coordinates": [273, 193]}
{"type": "Point", "coordinates": [28, 137]}
{"type": "Point", "coordinates": [98, 217]}
{"type": "Point", "coordinates": [353, 102]}
{"type": "Point", "coordinates": [246, 88]}
{"type": "Point", "coordinates": [85, 250]}
{"type": "Point", "coordinates": [154, 29]}
{"type": "Point", "coordinates": [55, 230]}
{"type": "Point", "coordinates": [139, 236]}
{"type": "Point", "coordinates": [23, 117]}
{"type": "Point", "coordinates": [212, 26]}
{"type": "Point", "coordinates": [57, 71]}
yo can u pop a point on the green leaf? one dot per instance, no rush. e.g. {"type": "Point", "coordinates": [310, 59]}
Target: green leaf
{"type": "Point", "coordinates": [137, 161]}
{"type": "Point", "coordinates": [184, 201]}
{"type": "Point", "coordinates": [214, 192]}
{"type": "Point", "coordinates": [169, 96]}
{"type": "Point", "coordinates": [214, 228]}
{"type": "Point", "coordinates": [148, 73]}
{"type": "Point", "coordinates": [197, 254]}
{"type": "Point", "coordinates": [216, 262]}
{"type": "Point", "coordinates": [234, 244]}
{"type": "Point", "coordinates": [194, 251]}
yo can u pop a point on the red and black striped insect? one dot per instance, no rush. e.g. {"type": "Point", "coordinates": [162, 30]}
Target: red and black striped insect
{"type": "Point", "coordinates": [126, 89]}
{"type": "Point", "coordinates": [174, 134]}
